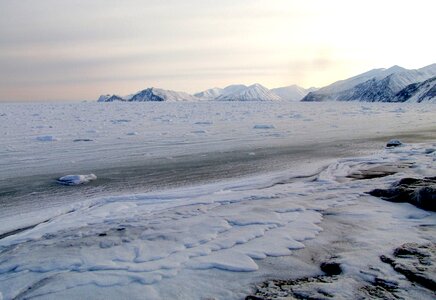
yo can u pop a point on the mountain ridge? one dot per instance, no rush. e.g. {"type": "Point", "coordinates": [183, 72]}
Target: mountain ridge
{"type": "Point", "coordinates": [377, 85]}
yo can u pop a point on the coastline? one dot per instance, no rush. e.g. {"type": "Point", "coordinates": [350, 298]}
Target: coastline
{"type": "Point", "coordinates": [311, 213]}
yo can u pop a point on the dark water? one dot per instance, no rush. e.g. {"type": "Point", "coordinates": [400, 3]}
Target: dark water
{"type": "Point", "coordinates": [36, 192]}
{"type": "Point", "coordinates": [24, 194]}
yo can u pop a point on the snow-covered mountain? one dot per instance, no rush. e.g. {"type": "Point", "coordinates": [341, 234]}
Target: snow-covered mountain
{"type": "Point", "coordinates": [155, 94]}
{"type": "Point", "coordinates": [239, 92]}
{"type": "Point", "coordinates": [210, 94]}
{"type": "Point", "coordinates": [255, 92]}
{"type": "Point", "coordinates": [215, 93]}
{"type": "Point", "coordinates": [418, 92]}
{"type": "Point", "coordinates": [395, 84]}
{"type": "Point", "coordinates": [110, 98]}
{"type": "Point", "coordinates": [292, 92]}
{"type": "Point", "coordinates": [378, 85]}
{"type": "Point", "coordinates": [151, 94]}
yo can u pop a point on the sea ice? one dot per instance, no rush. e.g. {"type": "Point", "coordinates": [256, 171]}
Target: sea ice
{"type": "Point", "coordinates": [263, 126]}
{"type": "Point", "coordinates": [76, 179]}
{"type": "Point", "coordinates": [46, 138]}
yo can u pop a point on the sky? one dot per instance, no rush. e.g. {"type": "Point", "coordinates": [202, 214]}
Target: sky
{"type": "Point", "coordinates": [65, 50]}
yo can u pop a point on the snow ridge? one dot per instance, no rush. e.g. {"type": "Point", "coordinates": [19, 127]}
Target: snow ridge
{"type": "Point", "coordinates": [255, 92]}
{"type": "Point", "coordinates": [418, 92]}
{"type": "Point", "coordinates": [292, 92]}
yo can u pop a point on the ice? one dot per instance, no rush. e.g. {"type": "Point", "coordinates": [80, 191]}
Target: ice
{"type": "Point", "coordinates": [263, 126]}
{"type": "Point", "coordinates": [203, 123]}
{"type": "Point", "coordinates": [46, 138]}
{"type": "Point", "coordinates": [76, 179]}
{"type": "Point", "coordinates": [148, 239]}
{"type": "Point", "coordinates": [204, 240]}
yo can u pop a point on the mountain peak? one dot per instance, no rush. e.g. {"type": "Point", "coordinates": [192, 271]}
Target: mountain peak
{"type": "Point", "coordinates": [395, 69]}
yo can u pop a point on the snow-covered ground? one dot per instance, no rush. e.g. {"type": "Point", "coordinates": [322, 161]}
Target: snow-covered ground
{"type": "Point", "coordinates": [209, 240]}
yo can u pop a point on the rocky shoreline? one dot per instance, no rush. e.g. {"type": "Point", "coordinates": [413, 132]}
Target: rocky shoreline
{"type": "Point", "coordinates": [346, 268]}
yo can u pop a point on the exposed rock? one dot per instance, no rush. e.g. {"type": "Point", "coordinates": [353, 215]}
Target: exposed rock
{"type": "Point", "coordinates": [394, 143]}
{"type": "Point", "coordinates": [331, 268]}
{"type": "Point", "coordinates": [302, 288]}
{"type": "Point", "coordinates": [419, 192]}
{"type": "Point", "coordinates": [416, 262]}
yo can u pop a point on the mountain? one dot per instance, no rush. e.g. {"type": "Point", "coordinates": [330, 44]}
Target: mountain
{"type": "Point", "coordinates": [155, 94]}
{"type": "Point", "coordinates": [215, 93]}
{"type": "Point", "coordinates": [418, 92]}
{"type": "Point", "coordinates": [110, 98]}
{"type": "Point", "coordinates": [210, 94]}
{"type": "Point", "coordinates": [292, 92]}
{"type": "Point", "coordinates": [150, 94]}
{"type": "Point", "coordinates": [378, 85]}
{"type": "Point", "coordinates": [255, 92]}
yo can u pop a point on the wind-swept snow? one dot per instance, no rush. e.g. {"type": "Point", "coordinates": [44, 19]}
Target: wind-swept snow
{"type": "Point", "coordinates": [212, 238]}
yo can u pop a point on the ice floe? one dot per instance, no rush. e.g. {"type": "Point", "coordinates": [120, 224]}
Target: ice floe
{"type": "Point", "coordinates": [76, 179]}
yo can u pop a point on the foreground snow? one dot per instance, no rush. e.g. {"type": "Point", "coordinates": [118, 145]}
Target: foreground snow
{"type": "Point", "coordinates": [209, 240]}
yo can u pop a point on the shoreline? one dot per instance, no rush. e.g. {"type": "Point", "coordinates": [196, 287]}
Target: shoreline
{"type": "Point", "coordinates": [183, 171]}
{"type": "Point", "coordinates": [327, 217]}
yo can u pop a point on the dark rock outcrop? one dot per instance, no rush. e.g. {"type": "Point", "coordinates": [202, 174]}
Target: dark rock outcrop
{"type": "Point", "coordinates": [394, 143]}
{"type": "Point", "coordinates": [419, 192]}
{"type": "Point", "coordinates": [416, 262]}
{"type": "Point", "coordinates": [146, 95]}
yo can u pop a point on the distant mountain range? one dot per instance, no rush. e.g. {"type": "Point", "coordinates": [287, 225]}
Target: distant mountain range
{"type": "Point", "coordinates": [237, 92]}
{"type": "Point", "coordinates": [395, 84]}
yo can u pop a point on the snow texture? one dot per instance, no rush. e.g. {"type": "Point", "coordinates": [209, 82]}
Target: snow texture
{"type": "Point", "coordinates": [120, 244]}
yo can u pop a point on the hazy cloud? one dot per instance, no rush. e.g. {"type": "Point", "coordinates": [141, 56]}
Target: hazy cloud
{"type": "Point", "coordinates": [76, 49]}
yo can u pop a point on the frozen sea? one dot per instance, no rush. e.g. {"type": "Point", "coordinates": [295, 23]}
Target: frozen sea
{"type": "Point", "coordinates": [198, 200]}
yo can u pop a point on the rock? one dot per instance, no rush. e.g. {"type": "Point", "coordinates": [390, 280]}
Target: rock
{"type": "Point", "coordinates": [331, 268]}
{"type": "Point", "coordinates": [416, 262]}
{"type": "Point", "coordinates": [426, 198]}
{"type": "Point", "coordinates": [394, 143]}
{"type": "Point", "coordinates": [419, 192]}
{"type": "Point", "coordinates": [253, 298]}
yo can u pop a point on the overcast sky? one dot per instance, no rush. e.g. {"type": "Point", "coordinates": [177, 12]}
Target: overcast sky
{"type": "Point", "coordinates": [79, 49]}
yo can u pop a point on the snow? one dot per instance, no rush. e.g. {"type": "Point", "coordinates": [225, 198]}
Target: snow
{"type": "Point", "coordinates": [426, 91]}
{"type": "Point", "coordinates": [376, 85]}
{"type": "Point", "coordinates": [154, 240]}
{"type": "Point", "coordinates": [255, 92]}
{"type": "Point", "coordinates": [240, 92]}
{"type": "Point", "coordinates": [201, 240]}
{"type": "Point", "coordinates": [76, 179]}
{"type": "Point", "coordinates": [210, 94]}
{"type": "Point", "coordinates": [291, 93]}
